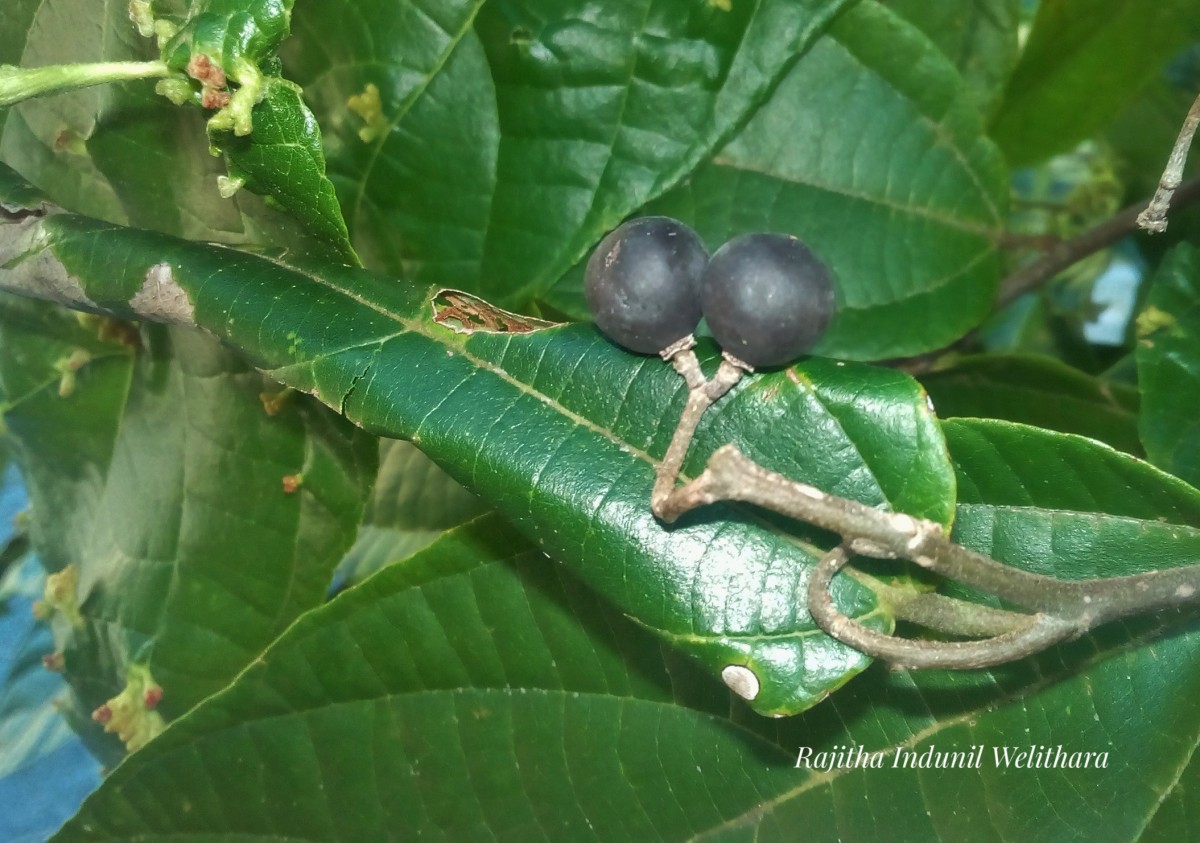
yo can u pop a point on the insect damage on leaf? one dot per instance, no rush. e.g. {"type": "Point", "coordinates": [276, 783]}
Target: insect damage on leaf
{"type": "Point", "coordinates": [467, 314]}
{"type": "Point", "coordinates": [61, 595]}
{"type": "Point", "coordinates": [131, 714]}
{"type": "Point", "coordinates": [369, 107]}
{"type": "Point", "coordinates": [162, 299]}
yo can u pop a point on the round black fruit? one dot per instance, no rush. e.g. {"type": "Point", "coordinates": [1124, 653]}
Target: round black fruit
{"type": "Point", "coordinates": [767, 298]}
{"type": "Point", "coordinates": [643, 283]}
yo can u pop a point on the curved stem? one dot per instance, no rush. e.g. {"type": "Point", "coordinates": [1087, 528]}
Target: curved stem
{"type": "Point", "coordinates": [731, 475]}
{"type": "Point", "coordinates": [22, 83]}
{"type": "Point", "coordinates": [702, 394]}
{"type": "Point", "coordinates": [1038, 633]}
{"type": "Point", "coordinates": [1061, 608]}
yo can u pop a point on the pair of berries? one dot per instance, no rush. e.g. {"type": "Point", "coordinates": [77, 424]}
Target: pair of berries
{"type": "Point", "coordinates": [766, 297]}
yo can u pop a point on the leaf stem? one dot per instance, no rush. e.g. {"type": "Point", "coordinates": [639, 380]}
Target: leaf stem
{"type": "Point", "coordinates": [1036, 634]}
{"type": "Point", "coordinates": [947, 614]}
{"type": "Point", "coordinates": [1061, 609]}
{"type": "Point", "coordinates": [702, 394]}
{"type": "Point", "coordinates": [22, 83]}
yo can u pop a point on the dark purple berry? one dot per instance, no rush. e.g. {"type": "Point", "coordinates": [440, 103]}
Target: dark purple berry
{"type": "Point", "coordinates": [767, 298]}
{"type": "Point", "coordinates": [643, 283]}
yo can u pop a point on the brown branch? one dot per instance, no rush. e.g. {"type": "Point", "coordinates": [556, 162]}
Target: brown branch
{"type": "Point", "coordinates": [1034, 634]}
{"type": "Point", "coordinates": [1060, 609]}
{"type": "Point", "coordinates": [1069, 252]}
{"type": "Point", "coordinates": [1154, 218]}
{"type": "Point", "coordinates": [702, 394]}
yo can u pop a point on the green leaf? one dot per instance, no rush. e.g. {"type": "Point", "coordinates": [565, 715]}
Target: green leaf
{"type": "Point", "coordinates": [1083, 62]}
{"type": "Point", "coordinates": [509, 136]}
{"type": "Point", "coordinates": [17, 15]}
{"type": "Point", "coordinates": [121, 152]}
{"type": "Point", "coordinates": [157, 475]}
{"type": "Point", "coordinates": [1039, 391]}
{"type": "Point", "coordinates": [45, 139]}
{"type": "Point", "coordinates": [979, 36]}
{"type": "Point", "coordinates": [871, 150]}
{"type": "Point", "coordinates": [561, 431]}
{"type": "Point", "coordinates": [566, 722]}
{"type": "Point", "coordinates": [229, 31]}
{"type": "Point", "coordinates": [282, 160]}
{"type": "Point", "coordinates": [45, 772]}
{"type": "Point", "coordinates": [1168, 362]}
{"type": "Point", "coordinates": [412, 504]}
{"type": "Point", "coordinates": [1067, 506]}
{"type": "Point", "coordinates": [1144, 132]}
{"type": "Point", "coordinates": [270, 140]}
{"type": "Point", "coordinates": [559, 708]}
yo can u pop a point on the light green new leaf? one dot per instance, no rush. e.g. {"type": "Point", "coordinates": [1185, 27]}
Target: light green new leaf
{"type": "Point", "coordinates": [156, 473]}
{"type": "Point", "coordinates": [490, 145]}
{"type": "Point", "coordinates": [1084, 60]}
{"type": "Point", "coordinates": [1168, 362]}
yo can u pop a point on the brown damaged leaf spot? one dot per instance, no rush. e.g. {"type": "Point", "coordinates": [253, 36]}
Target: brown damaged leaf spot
{"type": "Point", "coordinates": [15, 213]}
{"type": "Point", "coordinates": [467, 314]}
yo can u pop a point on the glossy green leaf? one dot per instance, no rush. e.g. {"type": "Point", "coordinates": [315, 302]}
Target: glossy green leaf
{"type": "Point", "coordinates": [1083, 62]}
{"type": "Point", "coordinates": [1168, 361]}
{"type": "Point", "coordinates": [1066, 506]}
{"type": "Point", "coordinates": [872, 135]}
{"type": "Point", "coordinates": [157, 474]}
{"type": "Point", "coordinates": [282, 160]}
{"type": "Point", "coordinates": [1039, 391]}
{"type": "Point", "coordinates": [230, 30]}
{"type": "Point", "coordinates": [270, 139]}
{"type": "Point", "coordinates": [476, 691]}
{"type": "Point", "coordinates": [121, 152]}
{"type": "Point", "coordinates": [507, 137]}
{"type": "Point", "coordinates": [268, 136]}
{"type": "Point", "coordinates": [560, 714]}
{"type": "Point", "coordinates": [979, 36]}
{"type": "Point", "coordinates": [561, 431]}
{"type": "Point", "coordinates": [412, 504]}
{"type": "Point", "coordinates": [45, 138]}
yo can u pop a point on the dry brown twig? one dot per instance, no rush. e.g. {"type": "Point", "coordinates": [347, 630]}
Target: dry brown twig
{"type": "Point", "coordinates": [1154, 218]}
{"type": "Point", "coordinates": [1059, 610]}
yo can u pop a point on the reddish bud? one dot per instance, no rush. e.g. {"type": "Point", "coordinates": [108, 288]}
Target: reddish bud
{"type": "Point", "coordinates": [212, 98]}
{"type": "Point", "coordinates": [53, 661]}
{"type": "Point", "coordinates": [153, 696]}
{"type": "Point", "coordinates": [103, 714]}
{"type": "Point", "coordinates": [292, 482]}
{"type": "Point", "coordinates": [201, 68]}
